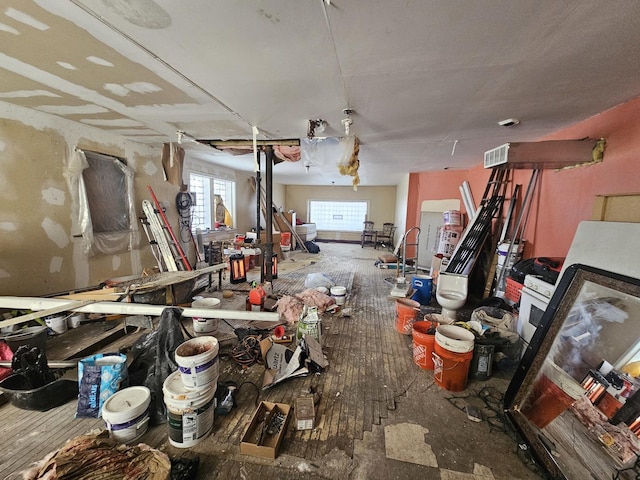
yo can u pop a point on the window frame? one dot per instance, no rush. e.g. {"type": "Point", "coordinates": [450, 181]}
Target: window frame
{"type": "Point", "coordinates": [352, 226]}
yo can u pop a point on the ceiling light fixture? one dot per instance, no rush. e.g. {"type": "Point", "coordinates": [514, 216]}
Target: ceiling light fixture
{"type": "Point", "coordinates": [347, 122]}
{"type": "Point", "coordinates": [509, 122]}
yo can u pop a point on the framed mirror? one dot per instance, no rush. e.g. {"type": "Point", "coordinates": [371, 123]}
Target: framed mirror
{"type": "Point", "coordinates": [575, 396]}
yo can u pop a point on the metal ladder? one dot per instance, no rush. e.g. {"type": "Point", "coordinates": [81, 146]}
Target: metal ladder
{"type": "Point", "coordinates": [402, 267]}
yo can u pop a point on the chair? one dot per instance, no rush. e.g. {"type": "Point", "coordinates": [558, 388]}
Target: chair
{"type": "Point", "coordinates": [385, 237]}
{"type": "Point", "coordinates": [368, 234]}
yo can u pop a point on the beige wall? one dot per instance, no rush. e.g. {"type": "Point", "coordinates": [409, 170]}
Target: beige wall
{"type": "Point", "coordinates": [382, 204]}
{"type": "Point", "coordinates": [39, 253]}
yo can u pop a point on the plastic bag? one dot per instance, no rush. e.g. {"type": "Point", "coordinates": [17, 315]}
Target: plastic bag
{"type": "Point", "coordinates": [99, 377]}
{"type": "Point", "coordinates": [315, 280]}
{"type": "Point", "coordinates": [154, 360]}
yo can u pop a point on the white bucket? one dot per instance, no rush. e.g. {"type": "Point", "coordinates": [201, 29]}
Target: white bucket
{"type": "Point", "coordinates": [57, 323]}
{"type": "Point", "coordinates": [339, 294]}
{"type": "Point", "coordinates": [205, 325]}
{"type": "Point", "coordinates": [190, 413]}
{"type": "Point", "coordinates": [452, 217]}
{"type": "Point", "coordinates": [126, 414]}
{"type": "Point", "coordinates": [197, 360]}
{"type": "Point", "coordinates": [455, 339]}
{"type": "Point", "coordinates": [516, 254]}
{"type": "Point", "coordinates": [74, 321]}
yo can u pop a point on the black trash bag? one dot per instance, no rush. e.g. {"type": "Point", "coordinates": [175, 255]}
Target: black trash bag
{"type": "Point", "coordinates": [31, 364]}
{"type": "Point", "coordinates": [312, 247]}
{"type": "Point", "coordinates": [154, 360]}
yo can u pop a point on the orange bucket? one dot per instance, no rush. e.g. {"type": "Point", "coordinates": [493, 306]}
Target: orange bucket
{"type": "Point", "coordinates": [285, 239]}
{"type": "Point", "coordinates": [423, 344]}
{"type": "Point", "coordinates": [406, 313]}
{"type": "Point", "coordinates": [450, 369]}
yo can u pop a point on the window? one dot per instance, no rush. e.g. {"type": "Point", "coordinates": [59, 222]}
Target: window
{"type": "Point", "coordinates": [343, 216]}
{"type": "Point", "coordinates": [204, 188]}
{"type": "Point", "coordinates": [102, 186]}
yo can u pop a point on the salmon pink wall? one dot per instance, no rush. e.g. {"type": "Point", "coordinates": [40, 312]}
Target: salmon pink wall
{"type": "Point", "coordinates": [563, 198]}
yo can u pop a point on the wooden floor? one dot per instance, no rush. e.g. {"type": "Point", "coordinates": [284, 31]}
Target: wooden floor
{"type": "Point", "coordinates": [371, 383]}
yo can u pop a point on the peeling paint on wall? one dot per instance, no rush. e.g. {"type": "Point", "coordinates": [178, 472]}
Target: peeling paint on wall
{"type": "Point", "coordinates": [8, 227]}
{"type": "Point", "coordinates": [55, 232]}
{"type": "Point", "coordinates": [53, 196]}
{"type": "Point", "coordinates": [55, 265]}
{"type": "Point", "coordinates": [99, 61]}
{"type": "Point", "coordinates": [149, 168]}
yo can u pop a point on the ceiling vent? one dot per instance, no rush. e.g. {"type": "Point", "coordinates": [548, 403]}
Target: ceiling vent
{"type": "Point", "coordinates": [547, 154]}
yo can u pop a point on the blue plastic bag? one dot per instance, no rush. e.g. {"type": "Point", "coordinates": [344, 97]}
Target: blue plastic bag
{"type": "Point", "coordinates": [99, 377]}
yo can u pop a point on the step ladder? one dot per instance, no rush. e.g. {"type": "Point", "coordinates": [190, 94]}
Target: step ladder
{"type": "Point", "coordinates": [165, 246]}
{"type": "Point", "coordinates": [477, 232]}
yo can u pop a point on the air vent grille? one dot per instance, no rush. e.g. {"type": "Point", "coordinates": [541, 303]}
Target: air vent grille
{"type": "Point", "coordinates": [496, 156]}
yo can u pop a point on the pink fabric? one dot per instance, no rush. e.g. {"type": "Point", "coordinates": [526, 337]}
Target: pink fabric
{"type": "Point", "coordinates": [5, 354]}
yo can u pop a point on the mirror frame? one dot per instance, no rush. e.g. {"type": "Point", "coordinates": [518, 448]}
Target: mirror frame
{"type": "Point", "coordinates": [534, 356]}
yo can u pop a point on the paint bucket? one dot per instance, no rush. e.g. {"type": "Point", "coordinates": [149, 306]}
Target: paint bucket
{"type": "Point", "coordinates": [126, 413]}
{"type": "Point", "coordinates": [57, 323]}
{"type": "Point", "coordinates": [190, 413]}
{"type": "Point", "coordinates": [482, 362]}
{"type": "Point", "coordinates": [423, 285]}
{"type": "Point", "coordinates": [516, 254]}
{"type": "Point", "coordinates": [285, 239]}
{"type": "Point", "coordinates": [197, 361]}
{"type": "Point", "coordinates": [452, 217]}
{"type": "Point", "coordinates": [339, 294]}
{"type": "Point", "coordinates": [205, 325]}
{"type": "Point", "coordinates": [406, 313]}
{"type": "Point", "coordinates": [452, 354]}
{"type": "Point", "coordinates": [74, 321]}
{"type": "Point", "coordinates": [424, 334]}
{"type": "Point", "coordinates": [448, 237]}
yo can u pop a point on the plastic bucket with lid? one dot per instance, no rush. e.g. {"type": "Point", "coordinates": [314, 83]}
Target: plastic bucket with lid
{"type": "Point", "coordinates": [406, 313]}
{"type": "Point", "coordinates": [424, 334]}
{"type": "Point", "coordinates": [190, 413]}
{"type": "Point", "coordinates": [57, 323]}
{"type": "Point", "coordinates": [339, 294]}
{"type": "Point", "coordinates": [452, 354]}
{"type": "Point", "coordinates": [285, 239]}
{"type": "Point", "coordinates": [197, 361]}
{"type": "Point", "coordinates": [205, 325]}
{"type": "Point", "coordinates": [126, 413]}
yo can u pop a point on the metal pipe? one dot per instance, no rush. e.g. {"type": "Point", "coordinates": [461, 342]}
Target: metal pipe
{"type": "Point", "coordinates": [268, 261]}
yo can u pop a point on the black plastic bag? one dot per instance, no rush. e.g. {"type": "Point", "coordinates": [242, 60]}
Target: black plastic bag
{"type": "Point", "coordinates": [154, 360]}
{"type": "Point", "coordinates": [31, 363]}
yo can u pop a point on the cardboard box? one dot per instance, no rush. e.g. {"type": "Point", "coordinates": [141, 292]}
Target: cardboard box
{"type": "Point", "coordinates": [256, 440]}
{"type": "Point", "coordinates": [305, 412]}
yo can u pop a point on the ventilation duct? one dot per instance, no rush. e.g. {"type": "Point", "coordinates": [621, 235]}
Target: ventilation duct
{"type": "Point", "coordinates": [547, 154]}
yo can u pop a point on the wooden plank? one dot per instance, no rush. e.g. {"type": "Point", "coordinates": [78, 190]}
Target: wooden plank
{"type": "Point", "coordinates": [52, 310]}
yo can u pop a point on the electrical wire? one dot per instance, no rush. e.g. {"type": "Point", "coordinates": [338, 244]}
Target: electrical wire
{"type": "Point", "coordinates": [184, 202]}
{"type": "Point", "coordinates": [247, 352]}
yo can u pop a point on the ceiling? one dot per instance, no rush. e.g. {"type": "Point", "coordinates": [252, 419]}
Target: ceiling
{"type": "Point", "coordinates": [428, 81]}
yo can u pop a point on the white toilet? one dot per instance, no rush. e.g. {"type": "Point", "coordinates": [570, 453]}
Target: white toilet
{"type": "Point", "coordinates": [451, 293]}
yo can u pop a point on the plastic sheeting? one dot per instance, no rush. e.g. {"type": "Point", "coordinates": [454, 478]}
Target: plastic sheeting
{"type": "Point", "coordinates": [102, 232]}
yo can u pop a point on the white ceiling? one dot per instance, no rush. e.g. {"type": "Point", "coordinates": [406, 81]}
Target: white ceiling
{"type": "Point", "coordinates": [427, 80]}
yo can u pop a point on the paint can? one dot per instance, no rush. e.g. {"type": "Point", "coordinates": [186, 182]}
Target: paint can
{"type": "Point", "coordinates": [126, 413]}
{"type": "Point", "coordinates": [190, 413]}
{"type": "Point", "coordinates": [57, 323]}
{"type": "Point", "coordinates": [516, 254]}
{"type": "Point", "coordinates": [452, 217]}
{"type": "Point", "coordinates": [205, 325]}
{"type": "Point", "coordinates": [197, 361]}
{"type": "Point", "coordinates": [339, 294]}
{"type": "Point", "coordinates": [448, 238]}
{"type": "Point", "coordinates": [424, 334]}
{"type": "Point", "coordinates": [482, 362]}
